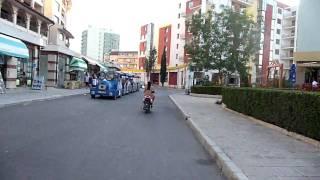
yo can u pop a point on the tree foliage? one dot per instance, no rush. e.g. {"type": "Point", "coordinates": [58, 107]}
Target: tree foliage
{"type": "Point", "coordinates": [223, 41]}
{"type": "Point", "coordinates": [163, 69]}
{"type": "Point", "coordinates": [150, 61]}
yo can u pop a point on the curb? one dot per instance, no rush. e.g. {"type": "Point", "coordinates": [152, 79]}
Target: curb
{"type": "Point", "coordinates": [206, 95]}
{"type": "Point", "coordinates": [277, 128]}
{"type": "Point", "coordinates": [39, 100]}
{"type": "Point", "coordinates": [227, 166]}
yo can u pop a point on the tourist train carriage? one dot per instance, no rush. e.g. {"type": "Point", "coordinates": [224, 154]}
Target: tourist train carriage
{"type": "Point", "coordinates": [109, 85]}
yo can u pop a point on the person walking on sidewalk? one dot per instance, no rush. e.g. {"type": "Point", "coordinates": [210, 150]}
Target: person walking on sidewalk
{"type": "Point", "coordinates": [23, 79]}
{"type": "Point", "coordinates": [94, 80]}
{"type": "Point", "coordinates": [86, 79]}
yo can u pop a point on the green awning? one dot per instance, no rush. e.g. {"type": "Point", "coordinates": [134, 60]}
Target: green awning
{"type": "Point", "coordinates": [13, 47]}
{"type": "Point", "coordinates": [78, 64]}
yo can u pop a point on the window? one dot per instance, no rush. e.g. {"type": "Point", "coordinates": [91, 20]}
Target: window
{"type": "Point", "coordinates": [167, 30]}
{"type": "Point", "coordinates": [190, 4]}
{"type": "Point", "coordinates": [179, 26]}
{"type": "Point", "coordinates": [178, 36]}
{"type": "Point", "coordinates": [56, 20]}
{"type": "Point", "coordinates": [294, 13]}
{"type": "Point", "coordinates": [179, 5]}
{"type": "Point", "coordinates": [279, 21]}
{"type": "Point", "coordinates": [277, 52]}
{"type": "Point", "coordinates": [278, 31]}
{"type": "Point", "coordinates": [279, 11]}
{"type": "Point", "coordinates": [177, 46]}
{"type": "Point", "coordinates": [179, 16]}
{"type": "Point", "coordinates": [62, 24]}
{"type": "Point", "coordinates": [57, 6]}
{"type": "Point", "coordinates": [177, 56]}
{"type": "Point", "coordinates": [62, 13]}
{"type": "Point", "coordinates": [277, 41]}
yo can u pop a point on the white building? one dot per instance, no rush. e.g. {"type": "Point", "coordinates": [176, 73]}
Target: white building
{"type": "Point", "coordinates": [288, 38]}
{"type": "Point", "coordinates": [93, 42]}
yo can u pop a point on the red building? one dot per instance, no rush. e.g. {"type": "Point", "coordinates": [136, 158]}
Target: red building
{"type": "Point", "coordinates": [146, 43]}
{"type": "Point", "coordinates": [164, 43]}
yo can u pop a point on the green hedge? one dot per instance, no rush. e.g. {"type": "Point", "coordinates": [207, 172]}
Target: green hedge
{"type": "Point", "coordinates": [292, 110]}
{"type": "Point", "coordinates": [211, 90]}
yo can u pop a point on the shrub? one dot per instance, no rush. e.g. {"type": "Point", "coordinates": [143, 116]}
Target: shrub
{"type": "Point", "coordinates": [292, 110]}
{"type": "Point", "coordinates": [211, 90]}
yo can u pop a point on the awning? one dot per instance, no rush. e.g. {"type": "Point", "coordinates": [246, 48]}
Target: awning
{"type": "Point", "coordinates": [94, 62]}
{"type": "Point", "coordinates": [78, 64]}
{"type": "Point", "coordinates": [13, 47]}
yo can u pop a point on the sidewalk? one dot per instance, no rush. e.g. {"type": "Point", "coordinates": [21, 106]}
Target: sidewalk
{"type": "Point", "coordinates": [21, 95]}
{"type": "Point", "coordinates": [252, 151]}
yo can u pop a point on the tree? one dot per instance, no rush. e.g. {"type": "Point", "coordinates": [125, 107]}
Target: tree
{"type": "Point", "coordinates": [243, 41]}
{"type": "Point", "coordinates": [163, 69]}
{"type": "Point", "coordinates": [223, 41]}
{"type": "Point", "coordinates": [150, 62]}
{"type": "Point", "coordinates": [193, 46]}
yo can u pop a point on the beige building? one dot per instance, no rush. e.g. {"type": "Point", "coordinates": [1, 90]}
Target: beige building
{"type": "Point", "coordinates": [56, 56]}
{"type": "Point", "coordinates": [307, 54]}
{"type": "Point", "coordinates": [23, 33]}
{"type": "Point", "coordinates": [126, 60]}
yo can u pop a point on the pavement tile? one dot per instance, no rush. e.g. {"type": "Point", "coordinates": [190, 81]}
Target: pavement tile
{"type": "Point", "coordinates": [260, 152]}
{"type": "Point", "coordinates": [20, 95]}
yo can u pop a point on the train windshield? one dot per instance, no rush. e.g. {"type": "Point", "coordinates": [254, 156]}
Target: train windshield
{"type": "Point", "coordinates": [110, 75]}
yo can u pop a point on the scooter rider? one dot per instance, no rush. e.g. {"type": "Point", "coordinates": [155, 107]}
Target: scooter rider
{"type": "Point", "coordinates": [149, 91]}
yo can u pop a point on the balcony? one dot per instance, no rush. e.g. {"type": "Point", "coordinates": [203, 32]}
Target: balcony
{"type": "Point", "coordinates": [21, 20]}
{"type": "Point", "coordinates": [288, 36]}
{"type": "Point", "coordinates": [287, 55]}
{"type": "Point", "coordinates": [287, 46]}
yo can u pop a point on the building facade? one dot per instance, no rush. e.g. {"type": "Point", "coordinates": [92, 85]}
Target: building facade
{"type": "Point", "coordinates": [92, 44]}
{"type": "Point", "coordinates": [126, 60]}
{"type": "Point", "coordinates": [96, 42]}
{"type": "Point", "coordinates": [24, 30]}
{"type": "Point", "coordinates": [307, 55]}
{"type": "Point", "coordinates": [56, 56]}
{"type": "Point", "coordinates": [288, 38]}
{"type": "Point", "coordinates": [146, 43]}
{"type": "Point", "coordinates": [111, 43]}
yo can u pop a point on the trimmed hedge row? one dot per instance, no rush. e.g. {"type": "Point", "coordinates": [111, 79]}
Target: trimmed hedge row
{"type": "Point", "coordinates": [211, 90]}
{"type": "Point", "coordinates": [295, 111]}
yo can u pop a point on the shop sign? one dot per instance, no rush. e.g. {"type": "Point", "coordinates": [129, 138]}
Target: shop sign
{"type": "Point", "coordinates": [2, 87]}
{"type": "Point", "coordinates": [37, 83]}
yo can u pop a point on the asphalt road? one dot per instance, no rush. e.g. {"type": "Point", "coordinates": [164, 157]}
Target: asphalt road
{"type": "Point", "coordinates": [78, 138]}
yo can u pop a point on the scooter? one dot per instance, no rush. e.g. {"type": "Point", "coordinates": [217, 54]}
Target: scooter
{"type": "Point", "coordinates": [147, 104]}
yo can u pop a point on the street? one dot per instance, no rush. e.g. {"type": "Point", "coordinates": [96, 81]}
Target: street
{"type": "Point", "coordinates": [82, 138]}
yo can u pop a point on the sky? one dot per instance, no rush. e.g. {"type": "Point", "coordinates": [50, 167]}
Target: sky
{"type": "Point", "coordinates": [123, 17]}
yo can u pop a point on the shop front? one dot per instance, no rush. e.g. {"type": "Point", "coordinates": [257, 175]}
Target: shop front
{"type": "Point", "coordinates": [308, 69]}
{"type": "Point", "coordinates": [16, 64]}
{"type": "Point", "coordinates": [77, 69]}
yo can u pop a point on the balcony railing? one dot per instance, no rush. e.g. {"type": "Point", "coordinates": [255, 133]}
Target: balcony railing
{"type": "Point", "coordinates": [288, 36]}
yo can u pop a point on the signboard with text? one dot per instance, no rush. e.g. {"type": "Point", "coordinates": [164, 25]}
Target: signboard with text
{"type": "Point", "coordinates": [37, 83]}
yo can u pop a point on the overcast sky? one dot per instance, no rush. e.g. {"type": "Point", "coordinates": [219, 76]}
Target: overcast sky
{"type": "Point", "coordinates": [123, 17]}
